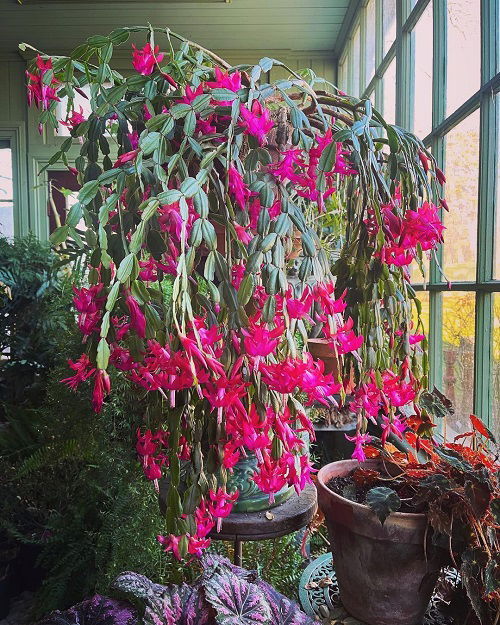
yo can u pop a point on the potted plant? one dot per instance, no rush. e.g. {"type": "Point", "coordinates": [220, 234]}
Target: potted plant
{"type": "Point", "coordinates": [391, 513]}
{"type": "Point", "coordinates": [216, 382]}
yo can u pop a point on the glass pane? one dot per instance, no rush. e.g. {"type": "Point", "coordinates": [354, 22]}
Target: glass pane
{"type": "Point", "coordinates": [458, 359]}
{"type": "Point", "coordinates": [496, 251]}
{"type": "Point", "coordinates": [495, 368]}
{"type": "Point", "coordinates": [423, 296]}
{"type": "Point", "coordinates": [389, 22]}
{"type": "Point", "coordinates": [464, 51]}
{"type": "Point", "coordinates": [416, 273]}
{"type": "Point", "coordinates": [462, 172]}
{"type": "Point", "coordinates": [422, 113]}
{"type": "Point", "coordinates": [356, 57]}
{"type": "Point", "coordinates": [6, 193]}
{"type": "Point", "coordinates": [343, 74]}
{"type": "Point", "coordinates": [390, 93]}
{"type": "Point", "coordinates": [370, 41]}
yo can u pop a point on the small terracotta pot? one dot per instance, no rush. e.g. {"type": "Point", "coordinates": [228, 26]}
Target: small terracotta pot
{"type": "Point", "coordinates": [320, 349]}
{"type": "Point", "coordinates": [385, 575]}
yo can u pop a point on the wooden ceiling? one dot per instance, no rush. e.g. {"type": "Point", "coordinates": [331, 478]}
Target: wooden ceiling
{"type": "Point", "coordinates": [235, 25]}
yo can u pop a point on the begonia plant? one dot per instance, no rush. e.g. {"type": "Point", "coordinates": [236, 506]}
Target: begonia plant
{"type": "Point", "coordinates": [195, 178]}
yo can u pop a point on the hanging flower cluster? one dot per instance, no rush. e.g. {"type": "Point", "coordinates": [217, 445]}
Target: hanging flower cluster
{"type": "Point", "coordinates": [190, 226]}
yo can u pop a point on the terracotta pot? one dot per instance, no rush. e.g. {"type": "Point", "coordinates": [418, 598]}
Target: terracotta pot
{"type": "Point", "coordinates": [385, 575]}
{"type": "Point", "coordinates": [320, 349]}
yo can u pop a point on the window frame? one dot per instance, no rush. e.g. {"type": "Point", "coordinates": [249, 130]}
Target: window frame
{"type": "Point", "coordinates": [14, 133]}
{"type": "Point", "coordinates": [487, 99]}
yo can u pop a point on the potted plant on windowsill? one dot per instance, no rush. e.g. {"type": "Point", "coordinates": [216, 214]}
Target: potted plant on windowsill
{"type": "Point", "coordinates": [216, 382]}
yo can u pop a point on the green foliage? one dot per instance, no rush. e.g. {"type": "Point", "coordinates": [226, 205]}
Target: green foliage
{"type": "Point", "coordinates": [70, 482]}
{"type": "Point", "coordinates": [34, 308]}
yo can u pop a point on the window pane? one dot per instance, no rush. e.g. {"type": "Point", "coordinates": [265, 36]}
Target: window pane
{"type": "Point", "coordinates": [464, 51]}
{"type": "Point", "coordinates": [370, 41]}
{"type": "Point", "coordinates": [416, 273]}
{"type": "Point", "coordinates": [6, 193]}
{"type": "Point", "coordinates": [496, 251]}
{"type": "Point", "coordinates": [495, 368]}
{"type": "Point", "coordinates": [423, 296]}
{"type": "Point", "coordinates": [422, 113]}
{"type": "Point", "coordinates": [389, 82]}
{"type": "Point", "coordinates": [458, 359]}
{"type": "Point", "coordinates": [462, 171]}
{"type": "Point", "coordinates": [356, 57]}
{"type": "Point", "coordinates": [389, 13]}
{"type": "Point", "coordinates": [344, 74]}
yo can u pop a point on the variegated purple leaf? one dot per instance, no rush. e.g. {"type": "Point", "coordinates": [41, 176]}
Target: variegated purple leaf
{"type": "Point", "coordinates": [283, 610]}
{"type": "Point", "coordinates": [97, 610]}
{"type": "Point", "coordinates": [236, 601]}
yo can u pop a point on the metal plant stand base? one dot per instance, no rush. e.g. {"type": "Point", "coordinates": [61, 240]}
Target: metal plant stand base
{"type": "Point", "coordinates": [319, 595]}
{"type": "Point", "coordinates": [288, 517]}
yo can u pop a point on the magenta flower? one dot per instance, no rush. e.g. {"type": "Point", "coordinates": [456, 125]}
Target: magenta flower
{"type": "Point", "coordinates": [259, 341]}
{"type": "Point", "coordinates": [39, 93]}
{"type": "Point", "coordinates": [324, 294]}
{"type": "Point", "coordinates": [286, 168]}
{"type": "Point", "coordinates": [299, 308]}
{"type": "Point", "coordinates": [89, 305]}
{"type": "Point", "coordinates": [76, 118]}
{"type": "Point", "coordinates": [204, 520]}
{"type": "Point", "coordinates": [121, 358]}
{"type": "Point", "coordinates": [144, 60]}
{"type": "Point", "coordinates": [271, 476]}
{"type": "Point", "coordinates": [237, 187]}
{"type": "Point", "coordinates": [190, 94]}
{"type": "Point", "coordinates": [102, 387]}
{"type": "Point", "coordinates": [145, 445]}
{"type": "Point", "coordinates": [126, 158]}
{"type": "Point", "coordinates": [256, 122]}
{"type": "Point", "coordinates": [197, 545]}
{"type": "Point", "coordinates": [137, 318]}
{"type": "Point", "coordinates": [416, 338]}
{"type": "Point", "coordinates": [170, 543]}
{"type": "Point", "coordinates": [359, 440]}
{"type": "Point", "coordinates": [225, 80]}
{"type": "Point", "coordinates": [84, 370]}
{"type": "Point", "coordinates": [221, 504]}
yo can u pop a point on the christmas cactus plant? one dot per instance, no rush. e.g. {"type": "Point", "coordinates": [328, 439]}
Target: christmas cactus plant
{"type": "Point", "coordinates": [196, 177]}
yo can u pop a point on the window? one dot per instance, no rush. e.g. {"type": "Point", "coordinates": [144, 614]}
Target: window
{"type": "Point", "coordinates": [495, 369]}
{"type": "Point", "coordinates": [496, 249]}
{"type": "Point", "coordinates": [462, 167]}
{"type": "Point", "coordinates": [463, 56]}
{"type": "Point", "coordinates": [389, 83]}
{"type": "Point", "coordinates": [356, 58]}
{"type": "Point", "coordinates": [422, 102]}
{"type": "Point", "coordinates": [370, 41]}
{"type": "Point", "coordinates": [389, 23]}
{"type": "Point", "coordinates": [458, 358]}
{"type": "Point", "coordinates": [444, 95]}
{"type": "Point", "coordinates": [6, 190]}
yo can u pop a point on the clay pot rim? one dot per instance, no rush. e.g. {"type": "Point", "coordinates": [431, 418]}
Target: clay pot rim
{"type": "Point", "coordinates": [349, 464]}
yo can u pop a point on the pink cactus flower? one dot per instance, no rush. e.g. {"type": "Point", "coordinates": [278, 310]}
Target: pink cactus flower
{"type": "Point", "coordinates": [144, 60]}
{"type": "Point", "coordinates": [256, 122]}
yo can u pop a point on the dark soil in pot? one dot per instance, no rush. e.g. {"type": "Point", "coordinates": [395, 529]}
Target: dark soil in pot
{"type": "Point", "coordinates": [386, 573]}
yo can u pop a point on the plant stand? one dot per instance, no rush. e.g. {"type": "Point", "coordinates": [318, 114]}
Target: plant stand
{"type": "Point", "coordinates": [288, 517]}
{"type": "Point", "coordinates": [319, 594]}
